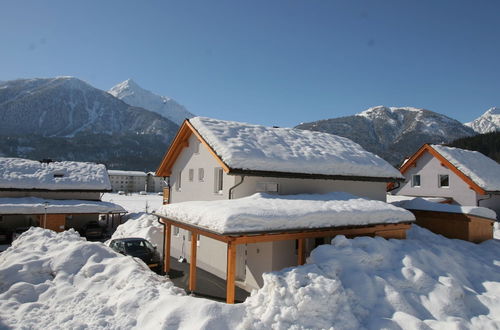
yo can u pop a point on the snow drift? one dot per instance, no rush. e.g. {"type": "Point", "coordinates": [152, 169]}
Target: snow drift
{"type": "Point", "coordinates": [50, 280]}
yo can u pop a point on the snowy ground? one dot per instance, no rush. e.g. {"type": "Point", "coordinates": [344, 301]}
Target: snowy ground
{"type": "Point", "coordinates": [135, 202]}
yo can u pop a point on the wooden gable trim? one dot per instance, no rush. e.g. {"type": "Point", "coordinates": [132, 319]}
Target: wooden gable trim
{"type": "Point", "coordinates": [444, 162]}
{"type": "Point", "coordinates": [178, 144]}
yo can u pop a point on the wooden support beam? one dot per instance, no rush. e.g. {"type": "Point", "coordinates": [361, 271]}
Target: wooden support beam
{"type": "Point", "coordinates": [300, 251]}
{"type": "Point", "coordinates": [231, 272]}
{"type": "Point", "coordinates": [192, 262]}
{"type": "Point", "coordinates": [199, 231]}
{"type": "Point", "coordinates": [166, 251]}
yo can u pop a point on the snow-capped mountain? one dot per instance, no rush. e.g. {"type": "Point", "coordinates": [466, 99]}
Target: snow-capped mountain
{"type": "Point", "coordinates": [487, 122]}
{"type": "Point", "coordinates": [65, 106]}
{"type": "Point", "coordinates": [65, 118]}
{"type": "Point", "coordinates": [393, 132]}
{"type": "Point", "coordinates": [131, 93]}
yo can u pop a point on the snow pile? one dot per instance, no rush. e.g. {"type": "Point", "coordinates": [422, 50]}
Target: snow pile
{"type": "Point", "coordinates": [424, 281]}
{"type": "Point", "coordinates": [33, 205]}
{"type": "Point", "coordinates": [262, 211]}
{"type": "Point", "coordinates": [484, 171]}
{"type": "Point", "coordinates": [142, 225]}
{"type": "Point", "coordinates": [50, 280]}
{"type": "Point", "coordinates": [422, 204]}
{"type": "Point", "coordinates": [255, 147]}
{"type": "Point", "coordinates": [21, 173]}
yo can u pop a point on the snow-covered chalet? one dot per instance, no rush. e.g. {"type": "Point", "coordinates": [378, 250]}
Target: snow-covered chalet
{"type": "Point", "coordinates": [217, 161]}
{"type": "Point", "coordinates": [53, 195]}
{"type": "Point", "coordinates": [465, 177]}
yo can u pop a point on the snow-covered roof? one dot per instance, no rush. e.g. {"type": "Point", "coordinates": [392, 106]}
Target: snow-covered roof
{"type": "Point", "coordinates": [259, 148]}
{"type": "Point", "coordinates": [126, 173]}
{"type": "Point", "coordinates": [424, 204]}
{"type": "Point", "coordinates": [264, 212]}
{"type": "Point", "coordinates": [19, 173]}
{"type": "Point", "coordinates": [482, 170]}
{"type": "Point", "coordinates": [33, 205]}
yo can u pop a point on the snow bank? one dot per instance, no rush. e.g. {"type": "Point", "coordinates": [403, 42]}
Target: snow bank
{"type": "Point", "coordinates": [31, 174]}
{"type": "Point", "coordinates": [262, 211]}
{"type": "Point", "coordinates": [142, 225]}
{"type": "Point", "coordinates": [255, 147]}
{"type": "Point", "coordinates": [484, 171]}
{"type": "Point", "coordinates": [418, 203]}
{"type": "Point", "coordinates": [33, 205]}
{"type": "Point", "coordinates": [425, 281]}
{"type": "Point", "coordinates": [59, 280]}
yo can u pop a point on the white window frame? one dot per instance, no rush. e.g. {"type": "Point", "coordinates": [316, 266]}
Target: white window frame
{"type": "Point", "coordinates": [178, 182]}
{"type": "Point", "coordinates": [218, 180]}
{"type": "Point", "coordinates": [191, 174]}
{"type": "Point", "coordinates": [413, 181]}
{"type": "Point", "coordinates": [176, 231]}
{"type": "Point", "coordinates": [439, 180]}
{"type": "Point", "coordinates": [201, 174]}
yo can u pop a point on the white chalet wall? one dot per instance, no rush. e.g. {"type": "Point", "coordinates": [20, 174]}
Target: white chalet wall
{"type": "Point", "coordinates": [429, 168]}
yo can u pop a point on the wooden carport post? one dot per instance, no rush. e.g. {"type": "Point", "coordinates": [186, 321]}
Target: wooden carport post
{"type": "Point", "coordinates": [300, 251]}
{"type": "Point", "coordinates": [231, 272]}
{"type": "Point", "coordinates": [166, 250]}
{"type": "Point", "coordinates": [192, 263]}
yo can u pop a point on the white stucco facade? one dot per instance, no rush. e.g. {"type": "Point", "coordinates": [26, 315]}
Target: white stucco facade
{"type": "Point", "coordinates": [194, 176]}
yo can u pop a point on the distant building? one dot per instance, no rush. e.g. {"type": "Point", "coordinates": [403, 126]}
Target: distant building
{"type": "Point", "coordinates": [156, 183]}
{"type": "Point", "coordinates": [468, 178]}
{"type": "Point", "coordinates": [53, 195]}
{"type": "Point", "coordinates": [128, 181]}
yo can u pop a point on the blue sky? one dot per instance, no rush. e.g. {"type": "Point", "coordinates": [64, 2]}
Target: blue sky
{"type": "Point", "coordinates": [268, 62]}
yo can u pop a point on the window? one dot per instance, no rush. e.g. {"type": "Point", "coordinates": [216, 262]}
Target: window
{"type": "Point", "coordinates": [201, 174]}
{"type": "Point", "coordinates": [218, 180]}
{"type": "Point", "coordinates": [444, 181]}
{"type": "Point", "coordinates": [176, 231]}
{"type": "Point", "coordinates": [415, 180]}
{"type": "Point", "coordinates": [269, 187]}
{"type": "Point", "coordinates": [178, 183]}
{"type": "Point", "coordinates": [196, 147]}
{"type": "Point", "coordinates": [191, 175]}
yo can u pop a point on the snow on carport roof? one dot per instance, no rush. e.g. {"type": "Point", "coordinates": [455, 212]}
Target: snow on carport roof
{"type": "Point", "coordinates": [33, 205]}
{"type": "Point", "coordinates": [264, 212]}
{"type": "Point", "coordinates": [260, 148]}
{"type": "Point", "coordinates": [19, 173]}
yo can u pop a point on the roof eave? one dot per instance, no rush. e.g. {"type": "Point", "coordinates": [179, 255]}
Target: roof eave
{"type": "Point", "coordinates": [277, 174]}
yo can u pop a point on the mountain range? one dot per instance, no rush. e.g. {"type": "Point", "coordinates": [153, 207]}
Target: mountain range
{"type": "Point", "coordinates": [65, 118]}
{"type": "Point", "coordinates": [393, 133]}
{"type": "Point", "coordinates": [130, 128]}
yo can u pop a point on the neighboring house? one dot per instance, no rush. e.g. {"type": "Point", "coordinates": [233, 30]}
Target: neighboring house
{"type": "Point", "coordinates": [53, 195]}
{"type": "Point", "coordinates": [128, 181]}
{"type": "Point", "coordinates": [213, 159]}
{"type": "Point", "coordinates": [467, 177]}
{"type": "Point", "coordinates": [155, 183]}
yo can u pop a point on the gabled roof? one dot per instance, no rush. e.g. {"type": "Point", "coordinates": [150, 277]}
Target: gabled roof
{"type": "Point", "coordinates": [25, 174]}
{"type": "Point", "coordinates": [245, 149]}
{"type": "Point", "coordinates": [481, 173]}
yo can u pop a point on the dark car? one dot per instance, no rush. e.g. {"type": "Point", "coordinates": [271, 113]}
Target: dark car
{"type": "Point", "coordinates": [93, 230]}
{"type": "Point", "coordinates": [139, 248]}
